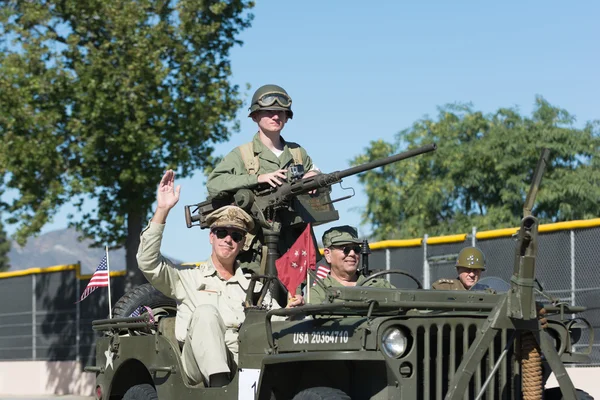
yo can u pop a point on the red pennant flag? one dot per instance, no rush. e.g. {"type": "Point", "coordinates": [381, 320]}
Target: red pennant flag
{"type": "Point", "coordinates": [292, 266]}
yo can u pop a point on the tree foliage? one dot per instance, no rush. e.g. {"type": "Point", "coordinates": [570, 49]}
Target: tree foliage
{"type": "Point", "coordinates": [4, 249]}
{"type": "Point", "coordinates": [98, 98]}
{"type": "Point", "coordinates": [481, 172]}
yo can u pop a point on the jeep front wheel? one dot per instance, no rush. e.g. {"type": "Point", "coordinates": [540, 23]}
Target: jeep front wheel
{"type": "Point", "coordinates": [144, 391]}
{"type": "Point", "coordinates": [321, 393]}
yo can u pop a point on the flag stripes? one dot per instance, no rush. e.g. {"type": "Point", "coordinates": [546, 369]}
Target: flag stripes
{"type": "Point", "coordinates": [99, 279]}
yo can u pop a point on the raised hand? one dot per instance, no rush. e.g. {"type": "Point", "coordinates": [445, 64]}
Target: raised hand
{"type": "Point", "coordinates": [167, 196]}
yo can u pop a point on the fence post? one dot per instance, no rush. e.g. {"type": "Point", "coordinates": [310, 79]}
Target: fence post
{"type": "Point", "coordinates": [388, 264]}
{"type": "Point", "coordinates": [77, 312]}
{"type": "Point", "coordinates": [33, 318]}
{"type": "Point", "coordinates": [572, 234]}
{"type": "Point", "coordinates": [426, 277]}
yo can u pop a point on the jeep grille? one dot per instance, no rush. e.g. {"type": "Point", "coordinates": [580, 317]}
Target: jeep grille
{"type": "Point", "coordinates": [440, 353]}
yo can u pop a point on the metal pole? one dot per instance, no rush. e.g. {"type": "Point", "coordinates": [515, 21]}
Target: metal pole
{"type": "Point", "coordinates": [108, 271]}
{"type": "Point", "coordinates": [33, 317]}
{"type": "Point", "coordinates": [426, 277]}
{"type": "Point", "coordinates": [572, 235]}
{"type": "Point", "coordinates": [473, 234]}
{"type": "Point", "coordinates": [77, 311]}
{"type": "Point", "coordinates": [388, 265]}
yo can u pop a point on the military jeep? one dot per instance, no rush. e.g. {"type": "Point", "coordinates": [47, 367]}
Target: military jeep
{"type": "Point", "coordinates": [361, 343]}
{"type": "Point", "coordinates": [367, 343]}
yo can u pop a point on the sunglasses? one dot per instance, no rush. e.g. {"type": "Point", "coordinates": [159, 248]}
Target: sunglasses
{"type": "Point", "coordinates": [348, 248]}
{"type": "Point", "coordinates": [222, 233]}
{"type": "Point", "coordinates": [271, 98]}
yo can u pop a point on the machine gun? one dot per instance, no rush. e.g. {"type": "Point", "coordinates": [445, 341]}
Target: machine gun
{"type": "Point", "coordinates": [291, 202]}
{"type": "Point", "coordinates": [262, 204]}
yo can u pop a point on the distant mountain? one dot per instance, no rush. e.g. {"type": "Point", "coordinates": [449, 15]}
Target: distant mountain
{"type": "Point", "coordinates": [61, 248]}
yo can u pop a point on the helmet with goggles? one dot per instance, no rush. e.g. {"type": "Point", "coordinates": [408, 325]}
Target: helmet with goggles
{"type": "Point", "coordinates": [271, 97]}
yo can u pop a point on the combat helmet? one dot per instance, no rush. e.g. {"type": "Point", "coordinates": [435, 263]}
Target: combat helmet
{"type": "Point", "coordinates": [271, 97]}
{"type": "Point", "coordinates": [471, 257]}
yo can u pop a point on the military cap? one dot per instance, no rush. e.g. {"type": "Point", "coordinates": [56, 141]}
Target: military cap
{"type": "Point", "coordinates": [230, 217]}
{"type": "Point", "coordinates": [339, 235]}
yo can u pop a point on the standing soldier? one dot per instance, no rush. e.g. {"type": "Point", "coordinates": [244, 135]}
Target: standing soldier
{"type": "Point", "coordinates": [264, 161]}
{"type": "Point", "coordinates": [469, 265]}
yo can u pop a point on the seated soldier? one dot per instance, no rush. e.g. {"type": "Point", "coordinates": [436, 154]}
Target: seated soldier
{"type": "Point", "coordinates": [342, 252]}
{"type": "Point", "coordinates": [209, 298]}
{"type": "Point", "coordinates": [469, 265]}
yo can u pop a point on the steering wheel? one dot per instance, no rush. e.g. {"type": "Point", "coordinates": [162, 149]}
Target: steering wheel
{"type": "Point", "coordinates": [392, 271]}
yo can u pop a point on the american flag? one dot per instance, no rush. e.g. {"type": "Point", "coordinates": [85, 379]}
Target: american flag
{"type": "Point", "coordinates": [99, 279]}
{"type": "Point", "coordinates": [322, 272]}
{"type": "Point", "coordinates": [140, 310]}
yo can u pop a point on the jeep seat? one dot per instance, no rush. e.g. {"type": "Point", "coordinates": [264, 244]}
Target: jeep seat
{"type": "Point", "coordinates": [166, 327]}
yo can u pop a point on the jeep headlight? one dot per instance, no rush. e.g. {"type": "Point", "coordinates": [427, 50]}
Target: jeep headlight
{"type": "Point", "coordinates": [394, 342]}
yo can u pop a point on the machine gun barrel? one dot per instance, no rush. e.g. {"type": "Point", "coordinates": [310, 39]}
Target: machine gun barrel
{"type": "Point", "coordinates": [537, 180]}
{"type": "Point", "coordinates": [306, 185]}
{"type": "Point", "coordinates": [385, 161]}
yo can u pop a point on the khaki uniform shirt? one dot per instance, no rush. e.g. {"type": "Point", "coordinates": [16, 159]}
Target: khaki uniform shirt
{"type": "Point", "coordinates": [448, 284]}
{"type": "Point", "coordinates": [318, 295]}
{"type": "Point", "coordinates": [194, 287]}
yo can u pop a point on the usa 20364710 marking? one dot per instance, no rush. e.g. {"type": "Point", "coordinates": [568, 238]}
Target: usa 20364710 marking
{"type": "Point", "coordinates": [321, 337]}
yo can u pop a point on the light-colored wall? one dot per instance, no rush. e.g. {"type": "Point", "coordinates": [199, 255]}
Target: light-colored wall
{"type": "Point", "coordinates": [45, 377]}
{"type": "Point", "coordinates": [586, 379]}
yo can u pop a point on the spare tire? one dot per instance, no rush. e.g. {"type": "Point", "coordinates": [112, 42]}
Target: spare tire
{"type": "Point", "coordinates": [144, 295]}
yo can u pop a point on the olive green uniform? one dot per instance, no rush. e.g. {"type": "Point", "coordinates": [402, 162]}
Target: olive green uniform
{"type": "Point", "coordinates": [448, 284]}
{"type": "Point", "coordinates": [318, 294]}
{"type": "Point", "coordinates": [209, 308]}
{"type": "Point", "coordinates": [231, 174]}
{"type": "Point", "coordinates": [469, 257]}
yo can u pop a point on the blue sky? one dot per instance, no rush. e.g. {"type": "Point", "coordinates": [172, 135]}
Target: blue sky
{"type": "Point", "coordinates": [360, 71]}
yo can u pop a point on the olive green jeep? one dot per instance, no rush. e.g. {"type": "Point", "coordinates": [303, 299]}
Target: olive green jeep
{"type": "Point", "coordinates": [361, 342]}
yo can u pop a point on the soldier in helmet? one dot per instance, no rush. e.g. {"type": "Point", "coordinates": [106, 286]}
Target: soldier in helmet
{"type": "Point", "coordinates": [469, 265]}
{"type": "Point", "coordinates": [265, 160]}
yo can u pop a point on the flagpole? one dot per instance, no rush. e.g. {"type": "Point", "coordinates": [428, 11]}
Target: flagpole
{"type": "Point", "coordinates": [307, 286]}
{"type": "Point", "coordinates": [108, 277]}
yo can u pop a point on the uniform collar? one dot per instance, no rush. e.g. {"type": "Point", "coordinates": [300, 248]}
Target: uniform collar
{"type": "Point", "coordinates": [263, 152]}
{"type": "Point", "coordinates": [238, 275]}
{"type": "Point", "coordinates": [331, 281]}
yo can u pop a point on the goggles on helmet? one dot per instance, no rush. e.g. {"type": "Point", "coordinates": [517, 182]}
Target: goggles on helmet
{"type": "Point", "coordinates": [268, 99]}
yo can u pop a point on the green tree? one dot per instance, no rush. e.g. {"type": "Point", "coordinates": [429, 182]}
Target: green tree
{"type": "Point", "coordinates": [98, 98]}
{"type": "Point", "coordinates": [480, 174]}
{"type": "Point", "coordinates": [4, 249]}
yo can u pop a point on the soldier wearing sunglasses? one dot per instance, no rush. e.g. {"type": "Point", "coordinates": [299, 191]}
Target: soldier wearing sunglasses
{"type": "Point", "coordinates": [266, 161]}
{"type": "Point", "coordinates": [342, 252]}
{"type": "Point", "coordinates": [209, 298]}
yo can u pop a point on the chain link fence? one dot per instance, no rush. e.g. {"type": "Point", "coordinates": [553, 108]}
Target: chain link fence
{"type": "Point", "coordinates": [40, 318]}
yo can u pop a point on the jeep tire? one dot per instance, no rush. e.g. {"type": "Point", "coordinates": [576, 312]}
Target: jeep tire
{"type": "Point", "coordinates": [321, 393]}
{"type": "Point", "coordinates": [145, 391]}
{"type": "Point", "coordinates": [143, 295]}
{"type": "Point", "coordinates": [555, 394]}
